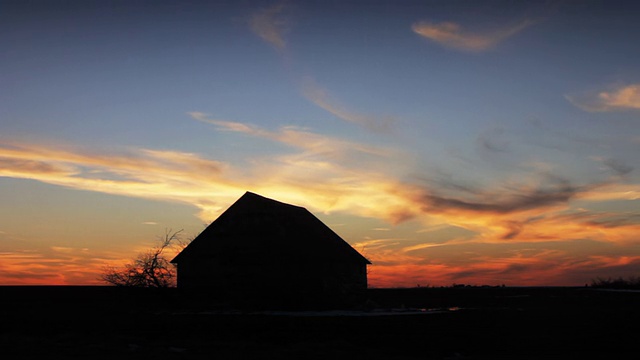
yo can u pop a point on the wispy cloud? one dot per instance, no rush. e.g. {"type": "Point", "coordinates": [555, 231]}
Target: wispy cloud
{"type": "Point", "coordinates": [326, 173]}
{"type": "Point", "coordinates": [616, 98]}
{"type": "Point", "coordinates": [145, 173]}
{"type": "Point", "coordinates": [338, 175]}
{"type": "Point", "coordinates": [312, 143]}
{"type": "Point", "coordinates": [270, 25]}
{"type": "Point", "coordinates": [501, 204]}
{"type": "Point", "coordinates": [618, 167]}
{"type": "Point", "coordinates": [321, 97]}
{"type": "Point", "coordinates": [329, 174]}
{"type": "Point", "coordinates": [452, 35]}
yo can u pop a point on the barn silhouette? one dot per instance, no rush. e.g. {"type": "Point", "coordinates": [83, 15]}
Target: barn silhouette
{"type": "Point", "coordinates": [264, 252]}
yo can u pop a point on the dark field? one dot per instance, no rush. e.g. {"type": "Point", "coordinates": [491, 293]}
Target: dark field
{"type": "Point", "coordinates": [515, 323]}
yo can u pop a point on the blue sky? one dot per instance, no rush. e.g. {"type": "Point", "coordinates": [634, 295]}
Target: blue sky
{"type": "Point", "coordinates": [483, 142]}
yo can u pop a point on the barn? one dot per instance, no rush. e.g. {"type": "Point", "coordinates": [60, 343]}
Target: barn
{"type": "Point", "coordinates": [264, 251]}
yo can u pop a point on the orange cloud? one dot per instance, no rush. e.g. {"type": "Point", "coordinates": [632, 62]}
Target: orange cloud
{"type": "Point", "coordinates": [331, 175]}
{"type": "Point", "coordinates": [54, 266]}
{"type": "Point", "coordinates": [543, 267]}
{"type": "Point", "coordinates": [621, 97]}
{"type": "Point", "coordinates": [321, 172]}
{"type": "Point", "coordinates": [452, 35]}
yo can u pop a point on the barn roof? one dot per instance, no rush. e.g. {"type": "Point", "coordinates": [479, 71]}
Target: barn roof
{"type": "Point", "coordinates": [256, 227]}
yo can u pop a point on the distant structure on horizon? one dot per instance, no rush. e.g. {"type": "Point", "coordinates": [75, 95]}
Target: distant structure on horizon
{"type": "Point", "coordinates": [264, 251]}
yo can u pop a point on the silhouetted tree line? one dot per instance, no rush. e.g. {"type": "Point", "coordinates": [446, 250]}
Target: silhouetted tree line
{"type": "Point", "coordinates": [619, 283]}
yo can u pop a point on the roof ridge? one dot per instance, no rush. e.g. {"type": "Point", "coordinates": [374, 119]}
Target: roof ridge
{"type": "Point", "coordinates": [262, 197]}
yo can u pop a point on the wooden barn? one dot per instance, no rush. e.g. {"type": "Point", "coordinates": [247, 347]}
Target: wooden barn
{"type": "Point", "coordinates": [264, 251]}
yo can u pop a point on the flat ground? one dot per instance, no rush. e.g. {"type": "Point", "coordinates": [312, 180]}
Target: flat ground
{"type": "Point", "coordinates": [475, 323]}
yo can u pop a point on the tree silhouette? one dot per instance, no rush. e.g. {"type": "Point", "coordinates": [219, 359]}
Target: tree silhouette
{"type": "Point", "coordinates": [149, 269]}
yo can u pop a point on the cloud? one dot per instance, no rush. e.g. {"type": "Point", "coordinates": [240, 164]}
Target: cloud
{"type": "Point", "coordinates": [534, 263]}
{"type": "Point", "coordinates": [23, 166]}
{"type": "Point", "coordinates": [617, 98]}
{"type": "Point", "coordinates": [452, 35]}
{"type": "Point", "coordinates": [325, 173]}
{"type": "Point", "coordinates": [319, 96]}
{"type": "Point", "coordinates": [543, 210]}
{"type": "Point", "coordinates": [312, 143]}
{"type": "Point", "coordinates": [501, 204]}
{"type": "Point", "coordinates": [493, 141]}
{"type": "Point", "coordinates": [613, 191]}
{"type": "Point", "coordinates": [144, 173]}
{"type": "Point", "coordinates": [329, 174]}
{"type": "Point", "coordinates": [270, 25]}
{"type": "Point", "coordinates": [55, 265]}
{"type": "Point", "coordinates": [618, 167]}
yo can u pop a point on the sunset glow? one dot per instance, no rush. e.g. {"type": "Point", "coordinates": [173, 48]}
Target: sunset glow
{"type": "Point", "coordinates": [448, 142]}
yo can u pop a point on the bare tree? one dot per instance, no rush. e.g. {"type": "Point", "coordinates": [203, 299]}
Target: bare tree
{"type": "Point", "coordinates": [149, 269]}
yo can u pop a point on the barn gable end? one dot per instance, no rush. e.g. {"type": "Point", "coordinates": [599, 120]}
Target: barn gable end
{"type": "Point", "coordinates": [279, 252]}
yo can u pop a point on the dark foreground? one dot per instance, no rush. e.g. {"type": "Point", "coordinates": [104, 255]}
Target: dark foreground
{"type": "Point", "coordinates": [516, 323]}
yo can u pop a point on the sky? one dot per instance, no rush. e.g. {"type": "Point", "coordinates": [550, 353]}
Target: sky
{"type": "Point", "coordinates": [450, 142]}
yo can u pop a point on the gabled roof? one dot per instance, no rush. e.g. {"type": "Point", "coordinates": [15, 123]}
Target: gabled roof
{"type": "Point", "coordinates": [258, 227]}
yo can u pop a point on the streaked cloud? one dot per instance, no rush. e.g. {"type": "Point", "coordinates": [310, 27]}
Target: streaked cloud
{"type": "Point", "coordinates": [321, 97]}
{"type": "Point", "coordinates": [501, 204]}
{"type": "Point", "coordinates": [452, 35]}
{"type": "Point", "coordinates": [618, 167]}
{"type": "Point", "coordinates": [270, 25]}
{"type": "Point", "coordinates": [144, 173]}
{"type": "Point", "coordinates": [614, 192]}
{"type": "Point", "coordinates": [548, 263]}
{"type": "Point", "coordinates": [616, 98]}
{"type": "Point", "coordinates": [328, 172]}
{"type": "Point", "coordinates": [311, 143]}
{"type": "Point", "coordinates": [56, 265]}
{"type": "Point", "coordinates": [329, 175]}
{"type": "Point", "coordinates": [325, 173]}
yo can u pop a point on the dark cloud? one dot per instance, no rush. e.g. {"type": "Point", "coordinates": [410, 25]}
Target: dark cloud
{"type": "Point", "coordinates": [515, 228]}
{"type": "Point", "coordinates": [618, 167]}
{"type": "Point", "coordinates": [493, 141]}
{"type": "Point", "coordinates": [467, 274]}
{"type": "Point", "coordinates": [493, 146]}
{"type": "Point", "coordinates": [602, 220]}
{"type": "Point", "coordinates": [521, 268]}
{"type": "Point", "coordinates": [504, 274]}
{"type": "Point", "coordinates": [538, 198]}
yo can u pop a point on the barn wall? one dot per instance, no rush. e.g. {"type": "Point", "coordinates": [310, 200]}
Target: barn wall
{"type": "Point", "coordinates": [274, 281]}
